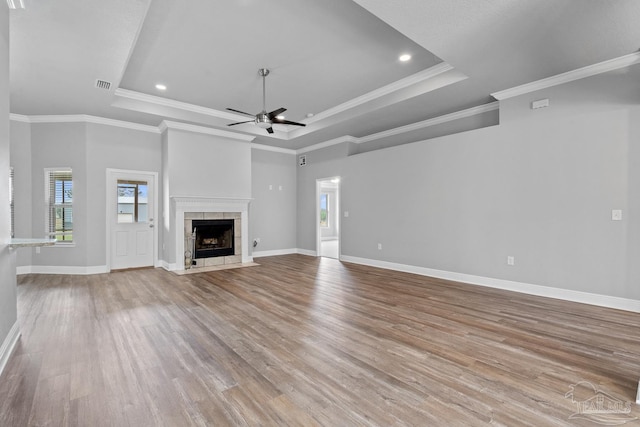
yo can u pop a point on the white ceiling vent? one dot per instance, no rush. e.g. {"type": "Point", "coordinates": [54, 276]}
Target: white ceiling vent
{"type": "Point", "coordinates": [103, 84]}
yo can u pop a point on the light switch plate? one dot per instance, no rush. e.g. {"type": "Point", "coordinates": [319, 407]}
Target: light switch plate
{"type": "Point", "coordinates": [616, 215]}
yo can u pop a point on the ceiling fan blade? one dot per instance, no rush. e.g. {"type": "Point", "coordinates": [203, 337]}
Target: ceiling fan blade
{"type": "Point", "coordinates": [277, 112]}
{"type": "Point", "coordinates": [241, 112]}
{"type": "Point", "coordinates": [239, 123]}
{"type": "Point", "coordinates": [270, 130]}
{"type": "Point", "coordinates": [287, 122]}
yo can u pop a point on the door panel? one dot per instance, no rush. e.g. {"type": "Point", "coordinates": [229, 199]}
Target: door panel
{"type": "Point", "coordinates": [121, 243]}
{"type": "Point", "coordinates": [142, 243]}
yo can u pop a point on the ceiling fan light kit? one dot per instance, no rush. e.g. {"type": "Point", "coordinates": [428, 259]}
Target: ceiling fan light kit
{"type": "Point", "coordinates": [263, 119]}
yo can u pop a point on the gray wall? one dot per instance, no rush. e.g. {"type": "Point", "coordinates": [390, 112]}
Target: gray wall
{"type": "Point", "coordinates": [208, 165]}
{"type": "Point", "coordinates": [55, 145]}
{"type": "Point", "coordinates": [539, 187]}
{"type": "Point", "coordinates": [89, 149]}
{"type": "Point", "coordinates": [8, 306]}
{"type": "Point", "coordinates": [167, 238]}
{"type": "Point", "coordinates": [273, 211]}
{"type": "Point", "coordinates": [116, 148]}
{"type": "Point", "coordinates": [21, 162]}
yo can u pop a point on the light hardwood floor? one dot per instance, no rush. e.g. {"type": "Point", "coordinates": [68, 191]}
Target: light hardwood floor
{"type": "Point", "coordinates": [306, 341]}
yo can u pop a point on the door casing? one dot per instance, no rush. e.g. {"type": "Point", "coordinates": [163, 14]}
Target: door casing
{"type": "Point", "coordinates": [113, 175]}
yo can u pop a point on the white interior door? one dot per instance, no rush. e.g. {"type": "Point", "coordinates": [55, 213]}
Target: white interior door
{"type": "Point", "coordinates": [132, 219]}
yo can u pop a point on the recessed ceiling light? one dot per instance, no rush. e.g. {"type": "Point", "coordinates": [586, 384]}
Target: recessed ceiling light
{"type": "Point", "coordinates": [160, 86]}
{"type": "Point", "coordinates": [309, 115]}
{"type": "Point", "coordinates": [405, 57]}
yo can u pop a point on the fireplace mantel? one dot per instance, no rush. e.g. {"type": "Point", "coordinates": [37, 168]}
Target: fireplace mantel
{"type": "Point", "coordinates": [209, 204]}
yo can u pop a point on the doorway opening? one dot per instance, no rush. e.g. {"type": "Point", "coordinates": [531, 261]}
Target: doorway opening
{"type": "Point", "coordinates": [328, 217]}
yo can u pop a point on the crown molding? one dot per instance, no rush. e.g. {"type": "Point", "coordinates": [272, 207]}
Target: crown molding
{"type": "Point", "coordinates": [271, 148]}
{"type": "Point", "coordinates": [469, 112]}
{"type": "Point", "coordinates": [329, 143]}
{"type": "Point", "coordinates": [411, 80]}
{"type": "Point", "coordinates": [19, 118]}
{"type": "Point", "coordinates": [431, 122]}
{"type": "Point", "coordinates": [82, 118]}
{"type": "Point", "coordinates": [570, 76]}
{"type": "Point", "coordinates": [167, 124]}
{"type": "Point", "coordinates": [166, 102]}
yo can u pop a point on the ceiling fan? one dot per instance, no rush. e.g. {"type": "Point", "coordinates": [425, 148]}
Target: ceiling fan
{"type": "Point", "coordinates": [263, 119]}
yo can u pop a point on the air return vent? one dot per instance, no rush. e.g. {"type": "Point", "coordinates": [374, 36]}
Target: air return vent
{"type": "Point", "coordinates": [103, 84]}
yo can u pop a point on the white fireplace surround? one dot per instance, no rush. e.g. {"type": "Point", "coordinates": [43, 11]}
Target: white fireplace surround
{"type": "Point", "coordinates": [209, 204]}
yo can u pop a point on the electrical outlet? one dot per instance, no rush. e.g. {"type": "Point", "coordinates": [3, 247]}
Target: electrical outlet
{"type": "Point", "coordinates": [616, 215]}
{"type": "Point", "coordinates": [346, 214]}
{"type": "Point", "coordinates": [379, 246]}
{"type": "Point", "coordinates": [511, 260]}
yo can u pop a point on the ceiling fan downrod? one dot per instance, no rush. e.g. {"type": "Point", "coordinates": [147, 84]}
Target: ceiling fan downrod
{"type": "Point", "coordinates": [262, 119]}
{"type": "Point", "coordinates": [264, 72]}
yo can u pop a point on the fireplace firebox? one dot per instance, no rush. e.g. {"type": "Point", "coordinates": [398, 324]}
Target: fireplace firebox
{"type": "Point", "coordinates": [213, 238]}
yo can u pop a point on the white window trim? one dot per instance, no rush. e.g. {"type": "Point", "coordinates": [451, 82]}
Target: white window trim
{"type": "Point", "coordinates": [47, 195]}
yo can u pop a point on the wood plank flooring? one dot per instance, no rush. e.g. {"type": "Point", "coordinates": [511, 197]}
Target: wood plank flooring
{"type": "Point", "coordinates": [307, 341]}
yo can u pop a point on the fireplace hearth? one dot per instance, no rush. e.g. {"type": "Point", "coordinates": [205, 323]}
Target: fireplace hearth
{"type": "Point", "coordinates": [213, 238]}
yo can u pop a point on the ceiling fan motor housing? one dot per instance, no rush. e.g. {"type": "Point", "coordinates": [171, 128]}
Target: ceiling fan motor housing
{"type": "Point", "coordinates": [263, 121]}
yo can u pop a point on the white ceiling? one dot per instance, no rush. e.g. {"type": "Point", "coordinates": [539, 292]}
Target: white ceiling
{"type": "Point", "coordinates": [337, 59]}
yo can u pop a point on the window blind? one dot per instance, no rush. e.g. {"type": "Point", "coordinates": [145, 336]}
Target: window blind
{"type": "Point", "coordinates": [60, 205]}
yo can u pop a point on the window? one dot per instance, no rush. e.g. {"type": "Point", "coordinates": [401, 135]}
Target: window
{"type": "Point", "coordinates": [12, 204]}
{"type": "Point", "coordinates": [132, 201]}
{"type": "Point", "coordinates": [324, 210]}
{"type": "Point", "coordinates": [59, 201]}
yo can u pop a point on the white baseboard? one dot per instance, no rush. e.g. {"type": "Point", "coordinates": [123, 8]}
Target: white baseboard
{"type": "Point", "coordinates": [276, 252]}
{"type": "Point", "coordinates": [306, 252]}
{"type": "Point", "coordinates": [26, 269]}
{"type": "Point", "coordinates": [62, 269]}
{"type": "Point", "coordinates": [526, 288]}
{"type": "Point", "coordinates": [8, 345]}
{"type": "Point", "coordinates": [167, 266]}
